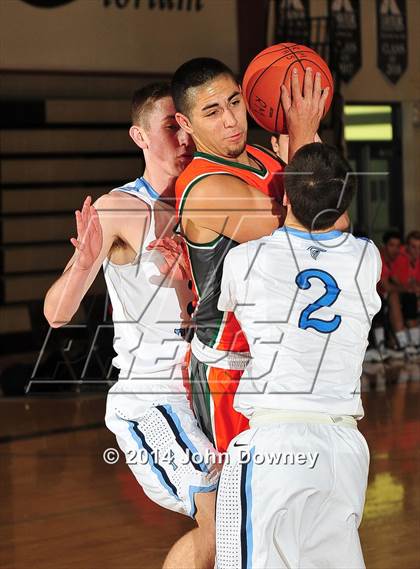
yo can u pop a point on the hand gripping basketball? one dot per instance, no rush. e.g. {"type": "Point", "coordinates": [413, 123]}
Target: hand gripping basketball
{"type": "Point", "coordinates": [273, 68]}
{"type": "Point", "coordinates": [304, 111]}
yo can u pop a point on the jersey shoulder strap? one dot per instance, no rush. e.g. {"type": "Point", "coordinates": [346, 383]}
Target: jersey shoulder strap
{"type": "Point", "coordinates": [265, 154]}
{"type": "Point", "coordinates": [140, 189]}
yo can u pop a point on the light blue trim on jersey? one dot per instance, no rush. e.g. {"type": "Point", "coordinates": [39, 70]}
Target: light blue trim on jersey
{"type": "Point", "coordinates": [196, 490]}
{"type": "Point", "coordinates": [153, 465]}
{"type": "Point", "coordinates": [248, 495]}
{"type": "Point", "coordinates": [142, 183]}
{"type": "Point", "coordinates": [319, 236]}
{"type": "Point", "coordinates": [185, 438]}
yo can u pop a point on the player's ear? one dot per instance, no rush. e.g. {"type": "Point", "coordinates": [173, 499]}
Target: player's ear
{"type": "Point", "coordinates": [286, 201]}
{"type": "Point", "coordinates": [137, 134]}
{"type": "Point", "coordinates": [274, 144]}
{"type": "Point", "coordinates": [184, 122]}
{"type": "Point", "coordinates": [343, 222]}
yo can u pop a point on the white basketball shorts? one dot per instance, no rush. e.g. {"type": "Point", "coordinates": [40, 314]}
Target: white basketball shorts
{"type": "Point", "coordinates": [291, 496]}
{"type": "Point", "coordinates": [165, 449]}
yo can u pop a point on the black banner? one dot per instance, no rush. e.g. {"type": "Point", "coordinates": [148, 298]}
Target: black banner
{"type": "Point", "coordinates": [346, 41]}
{"type": "Point", "coordinates": [292, 21]}
{"type": "Point", "coordinates": [391, 17]}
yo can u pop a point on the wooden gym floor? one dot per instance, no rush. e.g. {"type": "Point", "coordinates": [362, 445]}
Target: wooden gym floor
{"type": "Point", "coordinates": [63, 507]}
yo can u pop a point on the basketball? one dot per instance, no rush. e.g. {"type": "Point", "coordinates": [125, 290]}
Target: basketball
{"type": "Point", "coordinates": [266, 74]}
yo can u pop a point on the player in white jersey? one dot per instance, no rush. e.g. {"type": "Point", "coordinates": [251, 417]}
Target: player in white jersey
{"type": "Point", "coordinates": [292, 493]}
{"type": "Point", "coordinates": [147, 408]}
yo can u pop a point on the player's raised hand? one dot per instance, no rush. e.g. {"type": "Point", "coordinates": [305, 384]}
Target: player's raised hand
{"type": "Point", "coordinates": [88, 242]}
{"type": "Point", "coordinates": [304, 108]}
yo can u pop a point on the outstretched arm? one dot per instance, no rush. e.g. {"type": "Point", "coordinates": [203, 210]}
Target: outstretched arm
{"type": "Point", "coordinates": [113, 217]}
{"type": "Point", "coordinates": [92, 244]}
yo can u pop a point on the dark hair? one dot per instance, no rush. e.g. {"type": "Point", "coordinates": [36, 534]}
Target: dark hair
{"type": "Point", "coordinates": [412, 235]}
{"type": "Point", "coordinates": [318, 185]}
{"type": "Point", "coordinates": [391, 234]}
{"type": "Point", "coordinates": [143, 100]}
{"type": "Point", "coordinates": [194, 73]}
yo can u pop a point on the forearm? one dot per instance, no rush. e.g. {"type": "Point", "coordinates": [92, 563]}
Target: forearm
{"type": "Point", "coordinates": [64, 297]}
{"type": "Point", "coordinates": [283, 146]}
{"type": "Point", "coordinates": [94, 241]}
{"type": "Point", "coordinates": [297, 141]}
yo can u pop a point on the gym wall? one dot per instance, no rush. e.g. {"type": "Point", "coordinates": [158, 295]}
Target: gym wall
{"type": "Point", "coordinates": [67, 73]}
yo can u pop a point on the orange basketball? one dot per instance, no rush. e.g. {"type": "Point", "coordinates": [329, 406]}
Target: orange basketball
{"type": "Point", "coordinates": [266, 74]}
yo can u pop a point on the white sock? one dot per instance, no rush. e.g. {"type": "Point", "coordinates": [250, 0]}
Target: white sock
{"type": "Point", "coordinates": [402, 338]}
{"type": "Point", "coordinates": [379, 334]}
{"type": "Point", "coordinates": [414, 334]}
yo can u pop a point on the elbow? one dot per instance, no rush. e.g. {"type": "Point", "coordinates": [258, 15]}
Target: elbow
{"type": "Point", "coordinates": [53, 318]}
{"type": "Point", "coordinates": [54, 322]}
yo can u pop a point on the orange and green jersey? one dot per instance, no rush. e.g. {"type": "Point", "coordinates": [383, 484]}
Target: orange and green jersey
{"type": "Point", "coordinates": [214, 328]}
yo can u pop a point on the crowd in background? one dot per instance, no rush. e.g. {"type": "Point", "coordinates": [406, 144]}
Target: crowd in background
{"type": "Point", "coordinates": [395, 330]}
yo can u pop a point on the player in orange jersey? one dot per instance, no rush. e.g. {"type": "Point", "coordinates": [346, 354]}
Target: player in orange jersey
{"type": "Point", "coordinates": [230, 193]}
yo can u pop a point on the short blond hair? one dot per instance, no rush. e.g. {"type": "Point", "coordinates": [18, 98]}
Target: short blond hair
{"type": "Point", "coordinates": [143, 100]}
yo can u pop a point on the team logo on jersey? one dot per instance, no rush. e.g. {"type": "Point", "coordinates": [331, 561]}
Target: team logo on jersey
{"type": "Point", "coordinates": [315, 251]}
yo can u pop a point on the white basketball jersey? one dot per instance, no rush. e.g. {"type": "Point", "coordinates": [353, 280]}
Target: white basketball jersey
{"type": "Point", "coordinates": [305, 302]}
{"type": "Point", "coordinates": [148, 309]}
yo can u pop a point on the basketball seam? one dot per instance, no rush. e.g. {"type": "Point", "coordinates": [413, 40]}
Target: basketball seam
{"type": "Point", "coordinates": [273, 51]}
{"type": "Point", "coordinates": [279, 103]}
{"type": "Point", "coordinates": [264, 70]}
{"type": "Point", "coordinates": [262, 73]}
{"type": "Point", "coordinates": [297, 58]}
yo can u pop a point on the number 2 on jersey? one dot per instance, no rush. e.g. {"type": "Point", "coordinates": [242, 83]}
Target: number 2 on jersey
{"type": "Point", "coordinates": [331, 294]}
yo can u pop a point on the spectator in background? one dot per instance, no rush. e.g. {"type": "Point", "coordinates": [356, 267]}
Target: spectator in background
{"type": "Point", "coordinates": [405, 277]}
{"type": "Point", "coordinates": [377, 351]}
{"type": "Point", "coordinates": [390, 250]}
{"type": "Point", "coordinates": [399, 289]}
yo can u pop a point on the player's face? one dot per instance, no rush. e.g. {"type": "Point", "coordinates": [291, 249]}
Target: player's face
{"type": "Point", "coordinates": [413, 249]}
{"type": "Point", "coordinates": [218, 117]}
{"type": "Point", "coordinates": [393, 248]}
{"type": "Point", "coordinates": [167, 144]}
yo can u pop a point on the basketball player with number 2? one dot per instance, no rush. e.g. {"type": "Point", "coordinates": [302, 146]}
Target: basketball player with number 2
{"type": "Point", "coordinates": [293, 491]}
